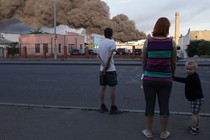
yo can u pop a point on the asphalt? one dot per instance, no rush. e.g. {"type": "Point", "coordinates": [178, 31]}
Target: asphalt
{"type": "Point", "coordinates": [37, 122]}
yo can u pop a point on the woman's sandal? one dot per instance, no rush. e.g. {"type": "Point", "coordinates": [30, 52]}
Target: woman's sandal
{"type": "Point", "coordinates": [165, 135]}
{"type": "Point", "coordinates": [147, 134]}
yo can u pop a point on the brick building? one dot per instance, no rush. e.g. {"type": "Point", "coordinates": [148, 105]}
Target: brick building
{"type": "Point", "coordinates": [37, 45]}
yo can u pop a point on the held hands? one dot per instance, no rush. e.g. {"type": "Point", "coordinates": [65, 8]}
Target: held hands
{"type": "Point", "coordinates": [142, 76]}
{"type": "Point", "coordinates": [106, 67]}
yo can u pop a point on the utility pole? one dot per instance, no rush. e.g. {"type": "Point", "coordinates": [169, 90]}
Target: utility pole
{"type": "Point", "coordinates": [55, 36]}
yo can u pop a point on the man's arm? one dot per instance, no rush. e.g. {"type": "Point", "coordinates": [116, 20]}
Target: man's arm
{"type": "Point", "coordinates": [100, 60]}
{"type": "Point", "coordinates": [107, 64]}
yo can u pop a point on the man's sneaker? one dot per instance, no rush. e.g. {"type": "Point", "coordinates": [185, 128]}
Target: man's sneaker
{"type": "Point", "coordinates": [115, 110]}
{"type": "Point", "coordinates": [103, 108]}
{"type": "Point", "coordinates": [193, 130]}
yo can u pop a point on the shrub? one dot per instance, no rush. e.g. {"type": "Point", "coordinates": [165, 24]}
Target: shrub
{"type": "Point", "coordinates": [198, 47]}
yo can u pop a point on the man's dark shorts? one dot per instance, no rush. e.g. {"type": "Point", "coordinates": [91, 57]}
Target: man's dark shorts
{"type": "Point", "coordinates": [109, 78]}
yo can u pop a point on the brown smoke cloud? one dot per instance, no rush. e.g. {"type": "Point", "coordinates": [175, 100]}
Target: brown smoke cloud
{"type": "Point", "coordinates": [92, 15]}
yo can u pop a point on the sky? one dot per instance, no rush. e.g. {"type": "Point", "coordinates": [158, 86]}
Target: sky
{"type": "Point", "coordinates": [193, 14]}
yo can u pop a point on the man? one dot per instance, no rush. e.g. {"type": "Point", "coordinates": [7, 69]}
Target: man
{"type": "Point", "coordinates": [108, 75]}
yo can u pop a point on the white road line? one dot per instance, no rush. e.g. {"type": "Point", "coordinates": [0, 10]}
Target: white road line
{"type": "Point", "coordinates": [93, 109]}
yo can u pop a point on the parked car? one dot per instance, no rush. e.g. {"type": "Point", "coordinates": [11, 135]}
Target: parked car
{"type": "Point", "coordinates": [122, 51]}
{"type": "Point", "coordinates": [92, 52]}
{"type": "Point", "coordinates": [75, 52]}
{"type": "Point", "coordinates": [138, 51]}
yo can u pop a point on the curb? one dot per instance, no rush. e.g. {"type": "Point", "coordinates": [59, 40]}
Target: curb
{"type": "Point", "coordinates": [94, 109]}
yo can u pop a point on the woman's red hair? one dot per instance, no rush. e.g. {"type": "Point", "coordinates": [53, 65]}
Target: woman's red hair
{"type": "Point", "coordinates": [161, 27]}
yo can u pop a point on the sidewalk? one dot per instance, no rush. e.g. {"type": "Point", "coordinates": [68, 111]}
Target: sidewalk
{"type": "Point", "coordinates": [35, 123]}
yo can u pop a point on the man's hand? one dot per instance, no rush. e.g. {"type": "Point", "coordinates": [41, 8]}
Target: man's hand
{"type": "Point", "coordinates": [106, 67]}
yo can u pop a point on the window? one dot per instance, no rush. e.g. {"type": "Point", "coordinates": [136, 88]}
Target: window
{"type": "Point", "coordinates": [59, 48]}
{"type": "Point", "coordinates": [37, 48]}
{"type": "Point", "coordinates": [81, 46]}
{"type": "Point", "coordinates": [45, 46]}
{"type": "Point", "coordinates": [71, 46]}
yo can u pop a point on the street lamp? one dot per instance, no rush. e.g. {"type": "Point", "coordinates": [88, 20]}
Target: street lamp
{"type": "Point", "coordinates": [55, 36]}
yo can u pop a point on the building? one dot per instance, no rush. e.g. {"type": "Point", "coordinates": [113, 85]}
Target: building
{"type": "Point", "coordinates": [49, 44]}
{"type": "Point", "coordinates": [94, 39]}
{"type": "Point", "coordinates": [184, 41]}
{"type": "Point", "coordinates": [11, 37]}
{"type": "Point", "coordinates": [129, 45]}
{"type": "Point", "coordinates": [4, 44]}
{"type": "Point", "coordinates": [200, 35]}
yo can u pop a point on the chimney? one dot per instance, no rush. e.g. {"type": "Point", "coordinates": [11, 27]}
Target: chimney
{"type": "Point", "coordinates": [177, 28]}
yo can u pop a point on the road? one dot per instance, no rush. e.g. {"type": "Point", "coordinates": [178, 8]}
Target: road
{"type": "Point", "coordinates": [77, 86]}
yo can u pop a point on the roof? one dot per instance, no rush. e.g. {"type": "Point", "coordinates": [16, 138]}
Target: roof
{"type": "Point", "coordinates": [4, 41]}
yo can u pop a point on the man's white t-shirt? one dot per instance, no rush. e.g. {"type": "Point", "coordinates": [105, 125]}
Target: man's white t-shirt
{"type": "Point", "coordinates": [104, 49]}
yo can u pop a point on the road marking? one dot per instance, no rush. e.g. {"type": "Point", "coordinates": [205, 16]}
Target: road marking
{"type": "Point", "coordinates": [93, 109]}
{"type": "Point", "coordinates": [47, 80]}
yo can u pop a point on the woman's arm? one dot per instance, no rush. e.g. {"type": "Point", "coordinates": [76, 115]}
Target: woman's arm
{"type": "Point", "coordinates": [179, 79]}
{"type": "Point", "coordinates": [173, 58]}
{"type": "Point", "coordinates": [144, 56]}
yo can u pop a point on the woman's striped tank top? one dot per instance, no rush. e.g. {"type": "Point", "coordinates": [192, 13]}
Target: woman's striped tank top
{"type": "Point", "coordinates": [159, 53]}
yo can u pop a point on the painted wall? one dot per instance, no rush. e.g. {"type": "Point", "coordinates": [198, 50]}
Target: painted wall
{"type": "Point", "coordinates": [198, 35]}
{"type": "Point", "coordinates": [33, 41]}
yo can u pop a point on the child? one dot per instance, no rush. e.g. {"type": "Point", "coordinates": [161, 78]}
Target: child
{"type": "Point", "coordinates": [193, 92]}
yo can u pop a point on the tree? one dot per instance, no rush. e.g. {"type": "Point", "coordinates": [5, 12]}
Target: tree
{"type": "Point", "coordinates": [198, 47]}
{"type": "Point", "coordinates": [204, 48]}
{"type": "Point", "coordinates": [13, 49]}
{"type": "Point", "coordinates": [36, 31]}
{"type": "Point", "coordinates": [192, 48]}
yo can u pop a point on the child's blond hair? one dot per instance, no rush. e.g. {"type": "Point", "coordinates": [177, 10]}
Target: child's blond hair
{"type": "Point", "coordinates": [192, 63]}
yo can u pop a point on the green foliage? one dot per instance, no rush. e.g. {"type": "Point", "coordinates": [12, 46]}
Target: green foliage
{"type": "Point", "coordinates": [91, 46]}
{"type": "Point", "coordinates": [13, 49]}
{"type": "Point", "coordinates": [204, 48]}
{"type": "Point", "coordinates": [198, 47]}
{"type": "Point", "coordinates": [36, 31]}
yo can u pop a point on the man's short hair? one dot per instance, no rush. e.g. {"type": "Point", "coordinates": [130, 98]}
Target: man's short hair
{"type": "Point", "coordinates": [108, 32]}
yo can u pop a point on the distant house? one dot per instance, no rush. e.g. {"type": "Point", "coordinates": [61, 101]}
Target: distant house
{"type": "Point", "coordinates": [11, 37]}
{"type": "Point", "coordinates": [38, 44]}
{"type": "Point", "coordinates": [4, 44]}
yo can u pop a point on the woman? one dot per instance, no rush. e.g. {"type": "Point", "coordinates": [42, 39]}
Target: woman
{"type": "Point", "coordinates": [158, 65]}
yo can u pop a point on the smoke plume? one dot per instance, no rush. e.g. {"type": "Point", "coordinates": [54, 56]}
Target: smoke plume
{"type": "Point", "coordinates": [92, 15]}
